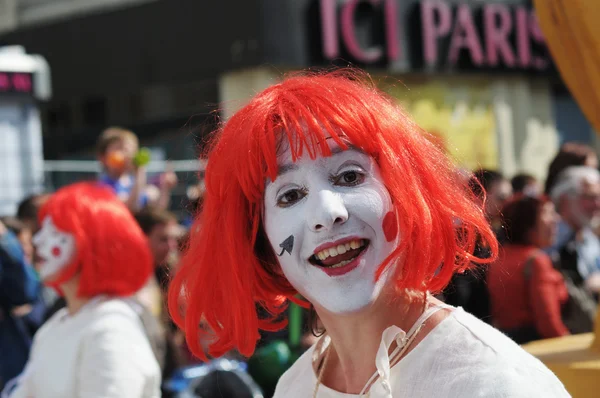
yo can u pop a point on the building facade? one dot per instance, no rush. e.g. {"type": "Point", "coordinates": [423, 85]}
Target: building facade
{"type": "Point", "coordinates": [476, 74]}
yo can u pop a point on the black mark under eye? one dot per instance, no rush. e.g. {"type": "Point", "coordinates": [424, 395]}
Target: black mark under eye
{"type": "Point", "coordinates": [350, 178]}
{"type": "Point", "coordinates": [288, 198]}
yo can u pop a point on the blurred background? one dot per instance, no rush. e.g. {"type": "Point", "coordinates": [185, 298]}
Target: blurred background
{"type": "Point", "coordinates": [476, 74]}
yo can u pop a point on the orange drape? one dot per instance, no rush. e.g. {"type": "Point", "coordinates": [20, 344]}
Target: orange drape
{"type": "Point", "coordinates": [572, 31]}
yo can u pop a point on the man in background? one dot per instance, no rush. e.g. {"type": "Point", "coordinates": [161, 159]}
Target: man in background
{"type": "Point", "coordinates": [19, 286]}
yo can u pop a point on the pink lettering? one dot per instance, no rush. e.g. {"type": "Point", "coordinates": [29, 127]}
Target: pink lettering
{"type": "Point", "coordinates": [4, 82]}
{"type": "Point", "coordinates": [349, 35]}
{"type": "Point", "coordinates": [523, 46]}
{"type": "Point", "coordinates": [465, 36]}
{"type": "Point", "coordinates": [433, 31]}
{"type": "Point", "coordinates": [22, 82]}
{"type": "Point", "coordinates": [496, 36]}
{"type": "Point", "coordinates": [391, 30]}
{"type": "Point", "coordinates": [329, 29]}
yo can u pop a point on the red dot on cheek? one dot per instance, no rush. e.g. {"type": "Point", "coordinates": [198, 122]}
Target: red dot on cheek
{"type": "Point", "coordinates": [56, 251]}
{"type": "Point", "coordinates": [390, 226]}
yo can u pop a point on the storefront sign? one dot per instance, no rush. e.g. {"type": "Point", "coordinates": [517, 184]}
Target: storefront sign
{"type": "Point", "coordinates": [450, 34]}
{"type": "Point", "coordinates": [16, 82]}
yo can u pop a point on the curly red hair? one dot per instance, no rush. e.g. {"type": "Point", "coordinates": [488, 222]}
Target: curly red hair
{"type": "Point", "coordinates": [112, 255]}
{"type": "Point", "coordinates": [229, 268]}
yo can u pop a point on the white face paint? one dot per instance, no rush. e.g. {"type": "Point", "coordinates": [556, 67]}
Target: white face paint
{"type": "Point", "coordinates": [54, 247]}
{"type": "Point", "coordinates": [331, 206]}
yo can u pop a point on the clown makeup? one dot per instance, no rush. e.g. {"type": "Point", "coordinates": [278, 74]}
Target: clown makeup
{"type": "Point", "coordinates": [54, 248]}
{"type": "Point", "coordinates": [339, 213]}
{"type": "Point", "coordinates": [287, 245]}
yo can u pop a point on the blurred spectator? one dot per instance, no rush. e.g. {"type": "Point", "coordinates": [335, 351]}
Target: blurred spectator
{"type": "Point", "coordinates": [527, 294]}
{"type": "Point", "coordinates": [496, 190]}
{"type": "Point", "coordinates": [18, 286]}
{"type": "Point", "coordinates": [48, 302]}
{"type": "Point", "coordinates": [28, 209]}
{"type": "Point", "coordinates": [525, 184]}
{"type": "Point", "coordinates": [162, 232]}
{"type": "Point", "coordinates": [34, 313]}
{"type": "Point", "coordinates": [569, 154]}
{"type": "Point", "coordinates": [162, 235]}
{"type": "Point", "coordinates": [117, 149]}
{"type": "Point", "coordinates": [469, 290]}
{"type": "Point", "coordinates": [576, 195]}
{"type": "Point", "coordinates": [94, 253]}
{"type": "Point", "coordinates": [23, 234]}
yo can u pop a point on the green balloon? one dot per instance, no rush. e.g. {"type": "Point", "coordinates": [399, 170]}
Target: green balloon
{"type": "Point", "coordinates": [269, 362]}
{"type": "Point", "coordinates": [142, 158]}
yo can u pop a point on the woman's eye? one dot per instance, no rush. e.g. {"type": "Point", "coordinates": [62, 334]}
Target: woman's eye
{"type": "Point", "coordinates": [350, 178]}
{"type": "Point", "coordinates": [290, 197]}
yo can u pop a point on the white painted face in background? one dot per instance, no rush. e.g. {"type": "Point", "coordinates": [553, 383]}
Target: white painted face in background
{"type": "Point", "coordinates": [339, 213]}
{"type": "Point", "coordinates": [54, 248]}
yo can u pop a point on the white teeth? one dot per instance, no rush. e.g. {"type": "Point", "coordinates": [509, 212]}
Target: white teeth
{"type": "Point", "coordinates": [340, 264]}
{"type": "Point", "coordinates": [340, 249]}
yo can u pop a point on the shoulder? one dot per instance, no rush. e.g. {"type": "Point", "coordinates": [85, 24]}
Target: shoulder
{"type": "Point", "coordinates": [115, 330]}
{"type": "Point", "coordinates": [542, 262]}
{"type": "Point", "coordinates": [297, 381]}
{"type": "Point", "coordinates": [114, 316]}
{"type": "Point", "coordinates": [491, 364]}
{"type": "Point", "coordinates": [113, 307]}
{"type": "Point", "coordinates": [50, 325]}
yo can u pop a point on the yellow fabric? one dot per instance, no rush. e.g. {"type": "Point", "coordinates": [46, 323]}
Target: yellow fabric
{"type": "Point", "coordinates": [572, 31]}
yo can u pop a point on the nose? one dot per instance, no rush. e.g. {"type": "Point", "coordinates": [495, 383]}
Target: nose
{"type": "Point", "coordinates": [326, 211]}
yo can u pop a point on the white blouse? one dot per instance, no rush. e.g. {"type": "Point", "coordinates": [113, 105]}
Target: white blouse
{"type": "Point", "coordinates": [461, 357]}
{"type": "Point", "coordinates": [102, 352]}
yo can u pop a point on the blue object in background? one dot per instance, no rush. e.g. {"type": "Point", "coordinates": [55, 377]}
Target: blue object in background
{"type": "Point", "coordinates": [218, 378]}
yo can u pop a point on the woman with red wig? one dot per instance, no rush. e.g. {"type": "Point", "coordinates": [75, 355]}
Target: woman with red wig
{"type": "Point", "coordinates": [527, 293]}
{"type": "Point", "coordinates": [321, 191]}
{"type": "Point", "coordinates": [94, 253]}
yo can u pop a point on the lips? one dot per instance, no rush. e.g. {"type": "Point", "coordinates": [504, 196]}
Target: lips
{"type": "Point", "coordinates": [339, 257]}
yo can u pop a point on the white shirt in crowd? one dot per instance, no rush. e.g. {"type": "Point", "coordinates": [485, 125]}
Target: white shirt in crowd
{"type": "Point", "coordinates": [461, 357]}
{"type": "Point", "coordinates": [100, 352]}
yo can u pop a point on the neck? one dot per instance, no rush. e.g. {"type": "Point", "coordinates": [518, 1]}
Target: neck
{"type": "Point", "coordinates": [69, 290]}
{"type": "Point", "coordinates": [356, 338]}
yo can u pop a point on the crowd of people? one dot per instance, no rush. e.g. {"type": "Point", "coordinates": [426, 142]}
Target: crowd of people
{"type": "Point", "coordinates": [544, 283]}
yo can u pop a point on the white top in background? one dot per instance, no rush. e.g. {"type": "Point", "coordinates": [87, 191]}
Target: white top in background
{"type": "Point", "coordinates": [461, 357]}
{"type": "Point", "coordinates": [100, 352]}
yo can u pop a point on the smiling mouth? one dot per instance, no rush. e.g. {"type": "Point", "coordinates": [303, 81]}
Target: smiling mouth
{"type": "Point", "coordinates": [340, 255]}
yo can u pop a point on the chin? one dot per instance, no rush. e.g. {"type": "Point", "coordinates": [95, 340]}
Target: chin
{"type": "Point", "coordinates": [351, 302]}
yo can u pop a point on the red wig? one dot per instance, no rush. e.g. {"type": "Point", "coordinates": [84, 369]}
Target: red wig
{"type": "Point", "coordinates": [112, 255]}
{"type": "Point", "coordinates": [229, 267]}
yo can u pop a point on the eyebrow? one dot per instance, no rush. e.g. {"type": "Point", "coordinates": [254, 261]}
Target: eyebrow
{"type": "Point", "coordinates": [286, 168]}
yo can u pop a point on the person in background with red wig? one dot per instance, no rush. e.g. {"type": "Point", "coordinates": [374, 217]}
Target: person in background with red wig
{"type": "Point", "coordinates": [94, 253]}
{"type": "Point", "coordinates": [527, 293]}
{"type": "Point", "coordinates": [321, 187]}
